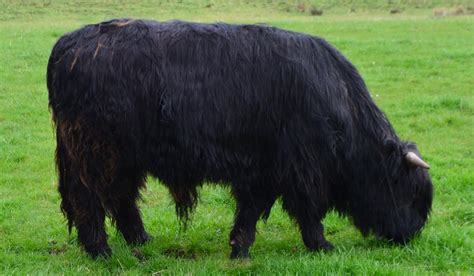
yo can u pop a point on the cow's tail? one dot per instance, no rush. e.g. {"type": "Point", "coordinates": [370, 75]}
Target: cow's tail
{"type": "Point", "coordinates": [65, 182]}
{"type": "Point", "coordinates": [63, 162]}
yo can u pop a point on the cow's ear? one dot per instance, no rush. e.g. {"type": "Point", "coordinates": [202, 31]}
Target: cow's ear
{"type": "Point", "coordinates": [391, 146]}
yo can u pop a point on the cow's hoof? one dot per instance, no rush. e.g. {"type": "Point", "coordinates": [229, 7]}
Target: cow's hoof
{"type": "Point", "coordinates": [239, 252]}
{"type": "Point", "coordinates": [145, 238]}
{"type": "Point", "coordinates": [139, 239]}
{"type": "Point", "coordinates": [325, 246]}
{"type": "Point", "coordinates": [142, 239]}
{"type": "Point", "coordinates": [99, 251]}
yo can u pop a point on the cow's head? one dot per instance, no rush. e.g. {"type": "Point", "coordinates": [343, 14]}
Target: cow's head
{"type": "Point", "coordinates": [395, 206]}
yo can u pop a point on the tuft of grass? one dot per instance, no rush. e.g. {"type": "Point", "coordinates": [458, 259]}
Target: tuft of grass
{"type": "Point", "coordinates": [417, 67]}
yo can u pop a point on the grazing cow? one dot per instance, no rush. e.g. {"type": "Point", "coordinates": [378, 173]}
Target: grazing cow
{"type": "Point", "coordinates": [273, 113]}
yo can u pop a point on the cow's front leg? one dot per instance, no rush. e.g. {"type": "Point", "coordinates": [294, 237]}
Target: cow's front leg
{"type": "Point", "coordinates": [252, 203]}
{"type": "Point", "coordinates": [308, 216]}
{"type": "Point", "coordinates": [313, 237]}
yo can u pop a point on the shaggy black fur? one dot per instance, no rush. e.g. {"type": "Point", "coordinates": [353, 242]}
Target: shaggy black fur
{"type": "Point", "coordinates": [275, 114]}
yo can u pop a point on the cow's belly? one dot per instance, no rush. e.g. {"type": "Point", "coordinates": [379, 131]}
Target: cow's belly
{"type": "Point", "coordinates": [176, 160]}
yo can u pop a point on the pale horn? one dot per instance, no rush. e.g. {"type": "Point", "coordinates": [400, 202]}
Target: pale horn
{"type": "Point", "coordinates": [413, 159]}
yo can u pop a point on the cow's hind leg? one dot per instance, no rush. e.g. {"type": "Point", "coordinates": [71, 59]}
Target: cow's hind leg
{"type": "Point", "coordinates": [254, 200]}
{"type": "Point", "coordinates": [80, 204]}
{"type": "Point", "coordinates": [83, 160]}
{"type": "Point", "coordinates": [304, 207]}
{"type": "Point", "coordinates": [89, 217]}
{"type": "Point", "coordinates": [124, 209]}
{"type": "Point", "coordinates": [83, 209]}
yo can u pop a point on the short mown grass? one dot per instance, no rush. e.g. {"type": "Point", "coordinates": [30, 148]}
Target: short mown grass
{"type": "Point", "coordinates": [419, 69]}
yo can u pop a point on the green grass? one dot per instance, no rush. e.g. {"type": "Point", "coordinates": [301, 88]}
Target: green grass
{"type": "Point", "coordinates": [419, 69]}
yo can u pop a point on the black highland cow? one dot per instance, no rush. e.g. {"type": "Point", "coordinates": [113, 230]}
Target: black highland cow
{"type": "Point", "coordinates": [275, 114]}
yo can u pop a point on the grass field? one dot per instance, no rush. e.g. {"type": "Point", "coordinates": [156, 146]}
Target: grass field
{"type": "Point", "coordinates": [419, 69]}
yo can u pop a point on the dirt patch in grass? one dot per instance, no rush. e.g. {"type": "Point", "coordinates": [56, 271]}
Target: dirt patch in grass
{"type": "Point", "coordinates": [315, 11]}
{"type": "Point", "coordinates": [139, 254]}
{"type": "Point", "coordinates": [455, 11]}
{"type": "Point", "coordinates": [180, 253]}
{"type": "Point", "coordinates": [56, 249]}
{"type": "Point", "coordinates": [395, 10]}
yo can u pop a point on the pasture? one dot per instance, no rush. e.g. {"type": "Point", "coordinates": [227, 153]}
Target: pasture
{"type": "Point", "coordinates": [418, 67]}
